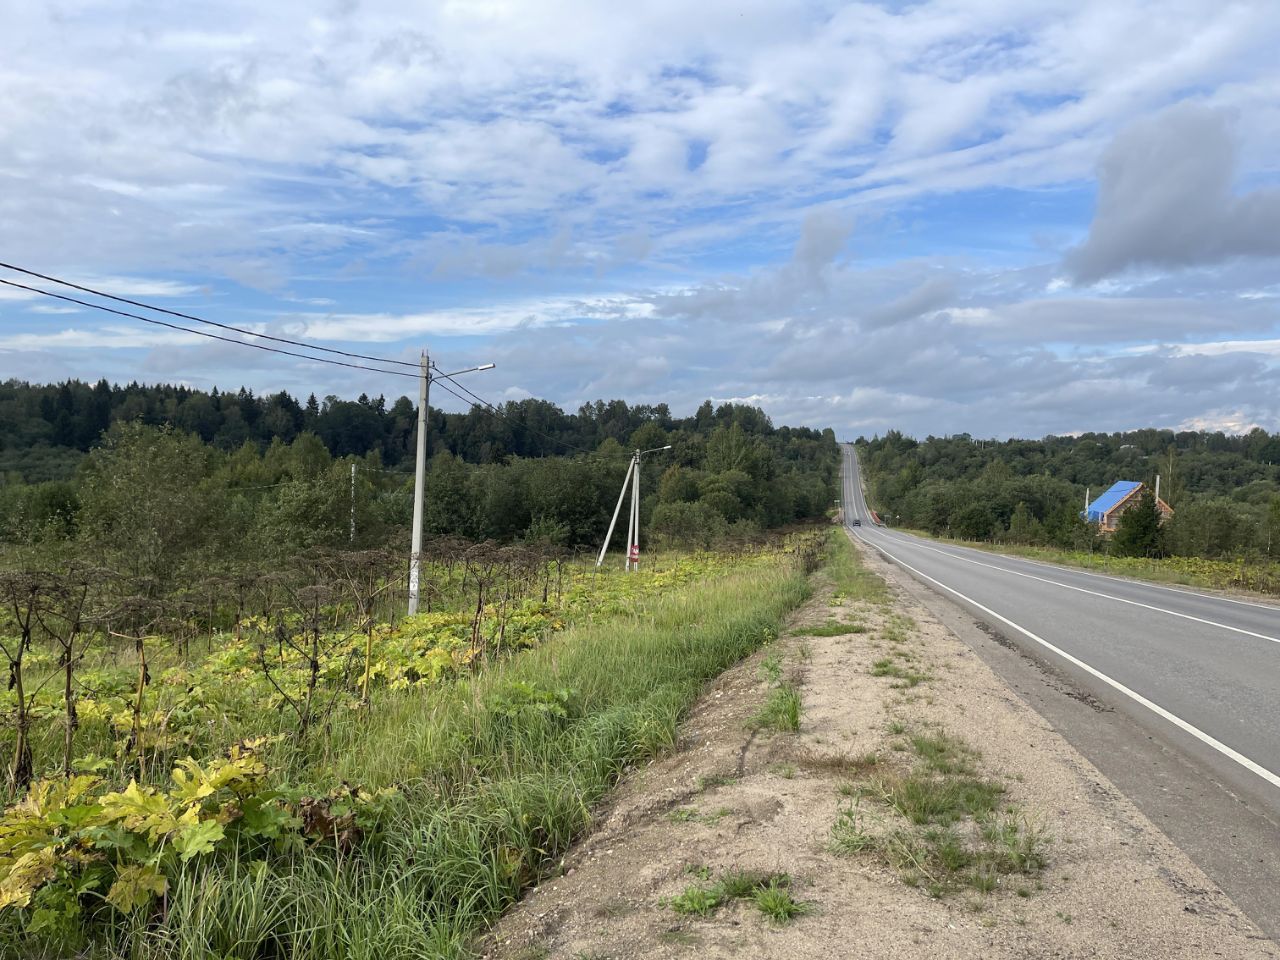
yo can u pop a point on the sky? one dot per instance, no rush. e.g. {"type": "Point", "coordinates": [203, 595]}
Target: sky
{"type": "Point", "coordinates": [999, 217]}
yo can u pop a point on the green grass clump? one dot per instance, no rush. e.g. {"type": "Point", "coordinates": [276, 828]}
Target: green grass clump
{"type": "Point", "coordinates": [770, 892]}
{"type": "Point", "coordinates": [952, 833]}
{"type": "Point", "coordinates": [781, 711]}
{"type": "Point", "coordinates": [904, 675]}
{"type": "Point", "coordinates": [943, 753]}
{"type": "Point", "coordinates": [849, 833]}
{"type": "Point", "coordinates": [777, 903]}
{"type": "Point", "coordinates": [771, 668]}
{"type": "Point", "coordinates": [694, 815]}
{"type": "Point", "coordinates": [924, 798]}
{"type": "Point", "coordinates": [834, 628]}
{"type": "Point", "coordinates": [696, 901]}
{"type": "Point", "coordinates": [738, 884]}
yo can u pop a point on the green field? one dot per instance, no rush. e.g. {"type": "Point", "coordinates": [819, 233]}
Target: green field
{"type": "Point", "coordinates": [315, 784]}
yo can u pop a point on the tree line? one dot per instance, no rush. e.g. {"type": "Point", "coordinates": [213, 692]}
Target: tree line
{"type": "Point", "coordinates": [1224, 489]}
{"type": "Point", "coordinates": [45, 429]}
{"type": "Point", "coordinates": [154, 499]}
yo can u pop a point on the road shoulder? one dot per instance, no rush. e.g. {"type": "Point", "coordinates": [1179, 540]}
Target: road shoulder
{"type": "Point", "coordinates": [818, 814]}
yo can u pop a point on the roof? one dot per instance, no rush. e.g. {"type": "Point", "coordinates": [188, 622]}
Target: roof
{"type": "Point", "coordinates": [1107, 502]}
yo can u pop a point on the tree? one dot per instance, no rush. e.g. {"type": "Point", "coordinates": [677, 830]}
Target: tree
{"type": "Point", "coordinates": [1023, 527]}
{"type": "Point", "coordinates": [974, 522]}
{"type": "Point", "coordinates": [145, 506]}
{"type": "Point", "coordinates": [1138, 531]}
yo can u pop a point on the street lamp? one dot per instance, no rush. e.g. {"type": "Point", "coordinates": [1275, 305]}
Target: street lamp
{"type": "Point", "coordinates": [427, 372]}
{"type": "Point", "coordinates": [633, 523]}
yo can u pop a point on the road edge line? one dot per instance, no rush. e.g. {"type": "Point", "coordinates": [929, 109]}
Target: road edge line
{"type": "Point", "coordinates": [1205, 738]}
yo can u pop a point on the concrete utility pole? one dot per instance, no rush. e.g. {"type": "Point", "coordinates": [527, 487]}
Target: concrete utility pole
{"type": "Point", "coordinates": [353, 501]}
{"type": "Point", "coordinates": [622, 495]}
{"type": "Point", "coordinates": [419, 483]}
{"type": "Point", "coordinates": [420, 472]}
{"type": "Point", "coordinates": [632, 480]}
{"type": "Point", "coordinates": [633, 550]}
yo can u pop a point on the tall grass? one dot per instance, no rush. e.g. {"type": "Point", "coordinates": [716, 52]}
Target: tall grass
{"type": "Point", "coordinates": [497, 775]}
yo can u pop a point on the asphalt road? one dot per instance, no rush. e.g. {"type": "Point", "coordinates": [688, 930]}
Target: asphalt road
{"type": "Point", "coordinates": [1195, 676]}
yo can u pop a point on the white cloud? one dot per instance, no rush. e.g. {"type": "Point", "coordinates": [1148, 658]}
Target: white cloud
{"type": "Point", "coordinates": [508, 114]}
{"type": "Point", "coordinates": [472, 321]}
{"type": "Point", "coordinates": [97, 338]}
{"type": "Point", "coordinates": [655, 200]}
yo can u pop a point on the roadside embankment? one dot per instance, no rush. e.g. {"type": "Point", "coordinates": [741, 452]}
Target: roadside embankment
{"type": "Point", "coordinates": [866, 787]}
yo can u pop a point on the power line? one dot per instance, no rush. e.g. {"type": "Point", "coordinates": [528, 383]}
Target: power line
{"type": "Point", "coordinates": [195, 319]}
{"type": "Point", "coordinates": [205, 333]}
{"type": "Point", "coordinates": [438, 377]}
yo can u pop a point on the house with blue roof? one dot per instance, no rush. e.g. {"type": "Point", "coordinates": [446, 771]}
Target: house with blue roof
{"type": "Point", "coordinates": [1119, 497]}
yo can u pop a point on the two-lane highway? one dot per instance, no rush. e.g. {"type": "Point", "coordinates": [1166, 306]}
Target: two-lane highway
{"type": "Point", "coordinates": [1201, 673]}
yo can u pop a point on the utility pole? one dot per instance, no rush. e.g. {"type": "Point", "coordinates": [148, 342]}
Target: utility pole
{"type": "Point", "coordinates": [353, 501]}
{"type": "Point", "coordinates": [626, 482]}
{"type": "Point", "coordinates": [419, 483]}
{"type": "Point", "coordinates": [632, 480]}
{"type": "Point", "coordinates": [426, 375]}
{"type": "Point", "coordinates": [633, 551]}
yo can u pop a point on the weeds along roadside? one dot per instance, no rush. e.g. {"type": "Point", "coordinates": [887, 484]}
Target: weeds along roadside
{"type": "Point", "coordinates": [496, 776]}
{"type": "Point", "coordinates": [926, 807]}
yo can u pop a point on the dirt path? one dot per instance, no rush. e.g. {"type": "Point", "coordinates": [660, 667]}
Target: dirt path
{"type": "Point", "coordinates": [1022, 848]}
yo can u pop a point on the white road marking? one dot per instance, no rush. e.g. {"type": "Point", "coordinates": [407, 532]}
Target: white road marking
{"type": "Point", "coordinates": [1273, 608]}
{"type": "Point", "coordinates": [1095, 593]}
{"type": "Point", "coordinates": [1250, 765]}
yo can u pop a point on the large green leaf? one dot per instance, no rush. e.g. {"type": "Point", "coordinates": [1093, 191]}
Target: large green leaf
{"type": "Point", "coordinates": [136, 886]}
{"type": "Point", "coordinates": [197, 838]}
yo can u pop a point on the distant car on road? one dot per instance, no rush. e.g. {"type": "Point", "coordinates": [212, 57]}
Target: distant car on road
{"type": "Point", "coordinates": [857, 521]}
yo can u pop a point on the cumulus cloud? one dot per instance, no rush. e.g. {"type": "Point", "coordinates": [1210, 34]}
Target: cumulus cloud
{"type": "Point", "coordinates": [1165, 199]}
{"type": "Point", "coordinates": [657, 200]}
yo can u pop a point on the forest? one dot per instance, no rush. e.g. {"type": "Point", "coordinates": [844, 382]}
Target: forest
{"type": "Point", "coordinates": [1224, 489]}
{"type": "Point", "coordinates": [230, 474]}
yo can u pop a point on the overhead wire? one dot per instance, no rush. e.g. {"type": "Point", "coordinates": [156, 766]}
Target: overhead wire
{"type": "Point", "coordinates": [213, 323]}
{"type": "Point", "coordinates": [203, 333]}
{"type": "Point", "coordinates": [437, 377]}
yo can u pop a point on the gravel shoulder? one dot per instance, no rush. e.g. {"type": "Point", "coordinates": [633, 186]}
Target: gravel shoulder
{"type": "Point", "coordinates": [1057, 864]}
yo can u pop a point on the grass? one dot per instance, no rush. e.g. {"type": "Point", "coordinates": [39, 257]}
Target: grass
{"type": "Point", "coordinates": [694, 815]}
{"type": "Point", "coordinates": [943, 826]}
{"type": "Point", "coordinates": [893, 666]}
{"type": "Point", "coordinates": [487, 802]}
{"type": "Point", "coordinates": [781, 711]}
{"type": "Point", "coordinates": [714, 780]}
{"type": "Point", "coordinates": [696, 901]}
{"type": "Point", "coordinates": [834, 628]}
{"type": "Point", "coordinates": [942, 753]}
{"type": "Point", "coordinates": [849, 834]}
{"type": "Point", "coordinates": [769, 892]}
{"type": "Point", "coordinates": [923, 798]}
{"type": "Point", "coordinates": [771, 668]}
{"type": "Point", "coordinates": [779, 906]}
{"type": "Point", "coordinates": [851, 580]}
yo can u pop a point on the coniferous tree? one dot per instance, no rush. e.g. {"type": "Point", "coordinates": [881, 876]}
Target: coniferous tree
{"type": "Point", "coordinates": [1138, 530]}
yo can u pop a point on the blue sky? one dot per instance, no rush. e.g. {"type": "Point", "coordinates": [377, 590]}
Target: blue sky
{"type": "Point", "coordinates": [991, 216]}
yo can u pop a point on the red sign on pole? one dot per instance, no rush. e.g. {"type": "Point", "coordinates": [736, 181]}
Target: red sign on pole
{"type": "Point", "coordinates": [635, 553]}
